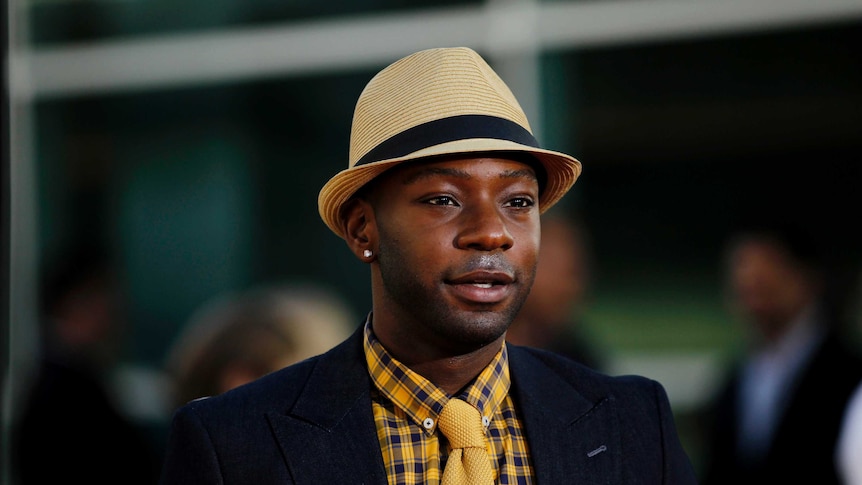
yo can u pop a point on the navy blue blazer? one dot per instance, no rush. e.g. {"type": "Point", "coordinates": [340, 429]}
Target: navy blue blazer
{"type": "Point", "coordinates": [311, 423]}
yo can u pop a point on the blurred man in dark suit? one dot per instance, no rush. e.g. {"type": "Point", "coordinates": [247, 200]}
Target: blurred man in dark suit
{"type": "Point", "coordinates": [778, 416]}
{"type": "Point", "coordinates": [71, 427]}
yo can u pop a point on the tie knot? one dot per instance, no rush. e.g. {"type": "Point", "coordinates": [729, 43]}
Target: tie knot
{"type": "Point", "coordinates": [461, 423]}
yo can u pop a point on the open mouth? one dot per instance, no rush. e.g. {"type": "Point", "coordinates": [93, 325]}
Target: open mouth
{"type": "Point", "coordinates": [482, 286]}
{"type": "Point", "coordinates": [483, 279]}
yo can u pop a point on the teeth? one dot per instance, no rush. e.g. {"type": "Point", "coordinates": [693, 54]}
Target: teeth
{"type": "Point", "coordinates": [483, 285]}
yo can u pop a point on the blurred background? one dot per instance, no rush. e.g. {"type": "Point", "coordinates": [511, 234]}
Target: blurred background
{"type": "Point", "coordinates": [189, 140]}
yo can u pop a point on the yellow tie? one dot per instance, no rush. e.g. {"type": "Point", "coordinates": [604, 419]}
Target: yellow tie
{"type": "Point", "coordinates": [468, 462]}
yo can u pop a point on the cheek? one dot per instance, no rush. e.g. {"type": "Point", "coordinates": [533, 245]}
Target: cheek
{"type": "Point", "coordinates": [413, 234]}
{"type": "Point", "coordinates": [410, 248]}
{"type": "Point", "coordinates": [527, 246]}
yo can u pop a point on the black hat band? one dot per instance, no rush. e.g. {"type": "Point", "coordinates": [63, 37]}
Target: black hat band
{"type": "Point", "coordinates": [445, 130]}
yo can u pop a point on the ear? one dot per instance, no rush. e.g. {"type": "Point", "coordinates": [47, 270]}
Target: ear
{"type": "Point", "coordinates": [360, 229]}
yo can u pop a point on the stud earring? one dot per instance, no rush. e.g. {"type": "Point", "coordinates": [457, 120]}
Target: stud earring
{"type": "Point", "coordinates": [367, 253]}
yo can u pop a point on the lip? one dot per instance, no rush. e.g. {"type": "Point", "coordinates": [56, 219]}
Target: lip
{"type": "Point", "coordinates": [482, 286]}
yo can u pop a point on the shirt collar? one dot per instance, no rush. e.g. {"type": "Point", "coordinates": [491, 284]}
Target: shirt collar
{"type": "Point", "coordinates": [794, 347]}
{"type": "Point", "coordinates": [420, 399]}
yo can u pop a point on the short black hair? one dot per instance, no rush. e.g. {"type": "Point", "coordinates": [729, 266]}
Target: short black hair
{"type": "Point", "coordinates": [793, 236]}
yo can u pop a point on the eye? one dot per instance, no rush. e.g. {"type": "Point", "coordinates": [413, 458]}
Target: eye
{"type": "Point", "coordinates": [521, 202]}
{"type": "Point", "coordinates": [441, 200]}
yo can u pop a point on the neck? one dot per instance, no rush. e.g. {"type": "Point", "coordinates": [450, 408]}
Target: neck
{"type": "Point", "coordinates": [447, 368]}
{"type": "Point", "coordinates": [453, 373]}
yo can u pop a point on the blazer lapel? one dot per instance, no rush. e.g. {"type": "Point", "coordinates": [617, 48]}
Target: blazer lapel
{"type": "Point", "coordinates": [571, 438]}
{"type": "Point", "coordinates": [333, 418]}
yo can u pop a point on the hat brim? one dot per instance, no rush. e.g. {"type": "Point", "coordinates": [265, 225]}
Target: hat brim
{"type": "Point", "coordinates": [562, 171]}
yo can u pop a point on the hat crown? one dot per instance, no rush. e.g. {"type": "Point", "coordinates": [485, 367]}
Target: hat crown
{"type": "Point", "coordinates": [429, 85]}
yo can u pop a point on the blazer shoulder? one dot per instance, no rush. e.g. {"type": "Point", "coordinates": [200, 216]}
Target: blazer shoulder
{"type": "Point", "coordinates": [278, 391]}
{"type": "Point", "coordinates": [592, 384]}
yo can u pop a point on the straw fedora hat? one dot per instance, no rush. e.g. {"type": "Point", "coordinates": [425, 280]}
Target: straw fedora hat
{"type": "Point", "coordinates": [437, 102]}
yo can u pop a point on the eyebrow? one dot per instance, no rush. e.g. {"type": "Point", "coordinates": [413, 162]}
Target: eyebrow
{"type": "Point", "coordinates": [432, 171]}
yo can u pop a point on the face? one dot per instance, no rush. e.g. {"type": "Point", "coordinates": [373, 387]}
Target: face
{"type": "Point", "coordinates": [561, 276]}
{"type": "Point", "coordinates": [768, 287]}
{"type": "Point", "coordinates": [457, 243]}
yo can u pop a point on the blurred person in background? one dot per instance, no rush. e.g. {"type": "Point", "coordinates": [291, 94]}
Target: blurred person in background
{"type": "Point", "coordinates": [238, 337]}
{"type": "Point", "coordinates": [778, 415]}
{"type": "Point", "coordinates": [72, 426]}
{"type": "Point", "coordinates": [849, 454]}
{"type": "Point", "coordinates": [551, 317]}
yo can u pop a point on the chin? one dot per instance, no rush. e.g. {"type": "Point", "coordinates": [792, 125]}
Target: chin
{"type": "Point", "coordinates": [485, 327]}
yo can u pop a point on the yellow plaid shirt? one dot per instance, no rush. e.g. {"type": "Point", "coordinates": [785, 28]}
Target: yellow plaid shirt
{"type": "Point", "coordinates": [406, 406]}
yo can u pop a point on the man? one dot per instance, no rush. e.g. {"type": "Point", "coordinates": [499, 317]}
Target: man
{"type": "Point", "coordinates": [442, 200]}
{"type": "Point", "coordinates": [778, 415]}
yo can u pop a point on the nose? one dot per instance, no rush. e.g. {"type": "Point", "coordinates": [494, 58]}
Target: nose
{"type": "Point", "coordinates": [483, 228]}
